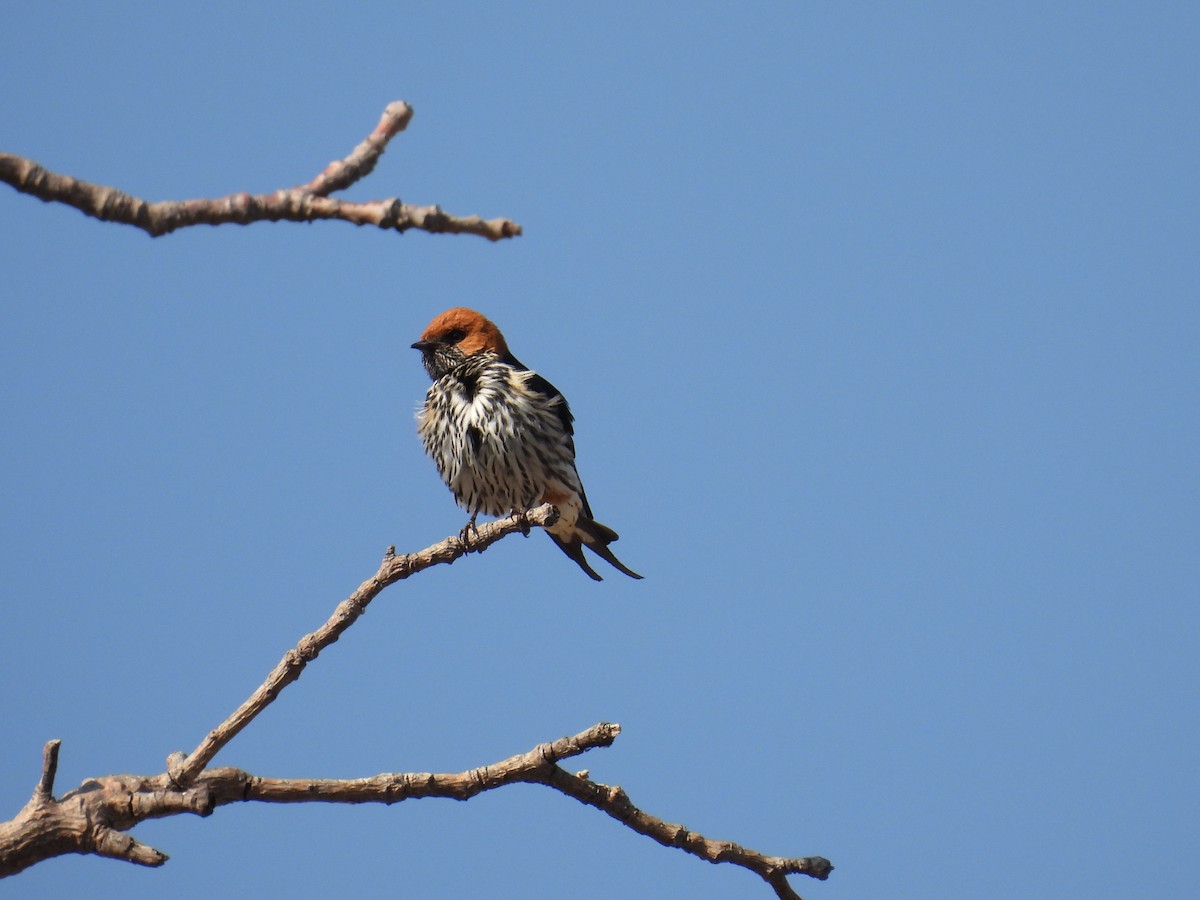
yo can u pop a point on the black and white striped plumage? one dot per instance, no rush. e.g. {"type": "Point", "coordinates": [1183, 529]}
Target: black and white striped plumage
{"type": "Point", "coordinates": [502, 436]}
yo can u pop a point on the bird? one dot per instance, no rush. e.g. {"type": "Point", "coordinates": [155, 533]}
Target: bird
{"type": "Point", "coordinates": [502, 436]}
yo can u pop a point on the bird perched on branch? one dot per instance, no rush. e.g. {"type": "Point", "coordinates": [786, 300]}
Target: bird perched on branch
{"type": "Point", "coordinates": [502, 435]}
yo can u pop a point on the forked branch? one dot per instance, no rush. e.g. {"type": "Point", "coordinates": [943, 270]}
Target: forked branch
{"type": "Point", "coordinates": [95, 817]}
{"type": "Point", "coordinates": [304, 203]}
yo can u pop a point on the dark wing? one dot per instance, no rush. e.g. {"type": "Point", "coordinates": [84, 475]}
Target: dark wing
{"type": "Point", "coordinates": [598, 536]}
{"type": "Point", "coordinates": [540, 385]}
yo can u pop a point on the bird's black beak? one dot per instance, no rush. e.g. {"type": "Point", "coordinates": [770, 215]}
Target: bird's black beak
{"type": "Point", "coordinates": [422, 345]}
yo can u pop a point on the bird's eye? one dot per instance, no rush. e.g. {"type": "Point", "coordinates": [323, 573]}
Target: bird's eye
{"type": "Point", "coordinates": [453, 337]}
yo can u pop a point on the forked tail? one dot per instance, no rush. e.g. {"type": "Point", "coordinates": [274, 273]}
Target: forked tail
{"type": "Point", "coordinates": [596, 537]}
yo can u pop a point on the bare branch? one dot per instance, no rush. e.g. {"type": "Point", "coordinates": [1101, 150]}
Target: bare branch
{"type": "Point", "coordinates": [394, 568]}
{"type": "Point", "coordinates": [531, 768]}
{"type": "Point", "coordinates": [614, 801]}
{"type": "Point", "coordinates": [95, 817]}
{"type": "Point", "coordinates": [305, 203]}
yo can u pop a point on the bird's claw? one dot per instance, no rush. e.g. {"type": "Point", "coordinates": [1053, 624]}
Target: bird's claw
{"type": "Point", "coordinates": [522, 520]}
{"type": "Point", "coordinates": [468, 531]}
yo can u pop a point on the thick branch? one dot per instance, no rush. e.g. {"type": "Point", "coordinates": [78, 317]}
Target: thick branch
{"type": "Point", "coordinates": [305, 203]}
{"type": "Point", "coordinates": [394, 568]}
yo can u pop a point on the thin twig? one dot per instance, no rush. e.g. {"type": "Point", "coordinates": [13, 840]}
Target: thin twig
{"type": "Point", "coordinates": [615, 802]}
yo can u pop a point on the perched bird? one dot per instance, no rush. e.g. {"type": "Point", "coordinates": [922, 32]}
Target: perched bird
{"type": "Point", "coordinates": [502, 435]}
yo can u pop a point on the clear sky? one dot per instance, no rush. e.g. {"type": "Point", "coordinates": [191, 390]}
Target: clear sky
{"type": "Point", "coordinates": [880, 323]}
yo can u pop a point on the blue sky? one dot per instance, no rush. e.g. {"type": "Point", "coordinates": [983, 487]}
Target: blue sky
{"type": "Point", "coordinates": [879, 322]}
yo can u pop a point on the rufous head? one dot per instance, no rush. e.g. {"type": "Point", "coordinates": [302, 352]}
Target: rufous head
{"type": "Point", "coordinates": [455, 335]}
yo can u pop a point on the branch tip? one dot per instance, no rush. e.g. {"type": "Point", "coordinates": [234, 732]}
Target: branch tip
{"type": "Point", "coordinates": [397, 114]}
{"type": "Point", "coordinates": [45, 786]}
{"type": "Point", "coordinates": [118, 845]}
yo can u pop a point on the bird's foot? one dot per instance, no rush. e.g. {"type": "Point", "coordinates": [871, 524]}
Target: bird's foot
{"type": "Point", "coordinates": [468, 532]}
{"type": "Point", "coordinates": [523, 522]}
